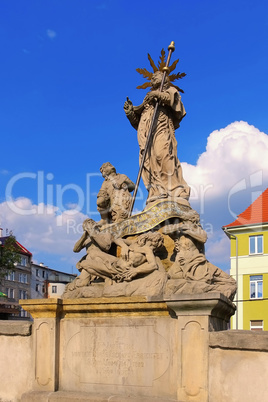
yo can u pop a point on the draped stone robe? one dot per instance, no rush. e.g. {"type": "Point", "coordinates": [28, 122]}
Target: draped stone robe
{"type": "Point", "coordinates": [162, 172]}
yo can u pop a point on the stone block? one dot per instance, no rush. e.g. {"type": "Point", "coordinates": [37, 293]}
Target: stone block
{"type": "Point", "coordinates": [125, 348]}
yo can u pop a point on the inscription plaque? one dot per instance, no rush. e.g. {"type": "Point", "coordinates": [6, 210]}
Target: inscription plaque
{"type": "Point", "coordinates": [122, 355]}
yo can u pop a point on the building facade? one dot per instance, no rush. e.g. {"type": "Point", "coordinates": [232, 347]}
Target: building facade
{"type": "Point", "coordinates": [28, 280]}
{"type": "Point", "coordinates": [47, 282]}
{"type": "Point", "coordinates": [16, 284]}
{"type": "Point", "coordinates": [249, 265]}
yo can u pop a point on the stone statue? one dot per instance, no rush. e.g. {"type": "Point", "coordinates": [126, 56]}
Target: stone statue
{"type": "Point", "coordinates": [140, 258]}
{"type": "Point", "coordinates": [98, 262]}
{"type": "Point", "coordinates": [193, 273]}
{"type": "Point", "coordinates": [161, 250]}
{"type": "Point", "coordinates": [113, 200]}
{"type": "Point", "coordinates": [162, 172]}
{"type": "Point", "coordinates": [137, 259]}
{"type": "Point", "coordinates": [188, 225]}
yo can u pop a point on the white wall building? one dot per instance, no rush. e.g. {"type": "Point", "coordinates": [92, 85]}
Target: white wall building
{"type": "Point", "coordinates": [47, 282]}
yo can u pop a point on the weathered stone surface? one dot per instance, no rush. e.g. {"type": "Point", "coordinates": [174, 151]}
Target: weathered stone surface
{"type": "Point", "coordinates": [239, 362]}
{"type": "Point", "coordinates": [48, 308]}
{"type": "Point", "coordinates": [134, 349]}
{"type": "Point", "coordinates": [16, 362]}
{"type": "Point", "coordinates": [240, 340]}
{"type": "Point", "coordinates": [131, 346]}
{"type": "Point", "coordinates": [15, 328]}
{"type": "Point", "coordinates": [237, 375]}
{"type": "Point", "coordinates": [84, 396]}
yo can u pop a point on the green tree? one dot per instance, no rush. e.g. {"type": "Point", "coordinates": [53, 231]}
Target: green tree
{"type": "Point", "coordinates": [9, 255]}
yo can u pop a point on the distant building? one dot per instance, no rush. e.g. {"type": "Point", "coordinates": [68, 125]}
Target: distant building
{"type": "Point", "coordinates": [249, 264]}
{"type": "Point", "coordinates": [47, 282]}
{"type": "Point", "coordinates": [28, 280]}
{"type": "Point", "coordinates": [16, 285]}
{"type": "Point", "coordinates": [39, 280]}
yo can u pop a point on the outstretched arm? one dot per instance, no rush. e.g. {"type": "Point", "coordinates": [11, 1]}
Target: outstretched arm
{"type": "Point", "coordinates": [131, 115]}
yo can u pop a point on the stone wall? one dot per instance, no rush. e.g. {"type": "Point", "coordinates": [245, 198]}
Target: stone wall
{"type": "Point", "coordinates": [16, 359]}
{"type": "Point", "coordinates": [131, 350]}
{"type": "Point", "coordinates": [238, 366]}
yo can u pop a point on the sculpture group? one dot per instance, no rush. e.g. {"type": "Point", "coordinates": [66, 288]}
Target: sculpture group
{"type": "Point", "coordinates": [159, 251]}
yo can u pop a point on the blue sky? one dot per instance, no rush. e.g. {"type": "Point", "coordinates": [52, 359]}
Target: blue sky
{"type": "Point", "coordinates": [66, 69]}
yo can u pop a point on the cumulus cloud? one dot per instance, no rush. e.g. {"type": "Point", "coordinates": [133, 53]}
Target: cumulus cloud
{"type": "Point", "coordinates": [227, 178]}
{"type": "Point", "coordinates": [45, 230]}
{"type": "Point", "coordinates": [232, 153]}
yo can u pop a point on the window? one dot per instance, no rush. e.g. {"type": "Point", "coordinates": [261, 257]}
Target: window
{"type": "Point", "coordinates": [23, 261]}
{"type": "Point", "coordinates": [37, 287]}
{"type": "Point", "coordinates": [10, 293]}
{"type": "Point", "coordinates": [23, 278]}
{"type": "Point", "coordinates": [256, 244]}
{"type": "Point", "coordinates": [23, 313]}
{"type": "Point", "coordinates": [256, 325]}
{"type": "Point", "coordinates": [10, 276]}
{"type": "Point", "coordinates": [256, 282]}
{"type": "Point", "coordinates": [54, 289]}
{"type": "Point", "coordinates": [44, 274]}
{"type": "Point", "coordinates": [23, 294]}
{"type": "Point", "coordinates": [37, 272]}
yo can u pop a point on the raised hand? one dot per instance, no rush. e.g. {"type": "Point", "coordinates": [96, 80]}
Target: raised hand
{"type": "Point", "coordinates": [128, 106]}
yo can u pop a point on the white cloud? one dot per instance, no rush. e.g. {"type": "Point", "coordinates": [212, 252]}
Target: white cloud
{"type": "Point", "coordinates": [45, 230]}
{"type": "Point", "coordinates": [51, 34]}
{"type": "Point", "coordinates": [218, 249]}
{"type": "Point", "coordinates": [4, 172]}
{"type": "Point", "coordinates": [226, 179]}
{"type": "Point", "coordinates": [232, 153]}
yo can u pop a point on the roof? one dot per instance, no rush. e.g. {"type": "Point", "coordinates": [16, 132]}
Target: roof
{"type": "Point", "coordinates": [256, 213]}
{"type": "Point", "coordinates": [51, 270]}
{"type": "Point", "coordinates": [21, 249]}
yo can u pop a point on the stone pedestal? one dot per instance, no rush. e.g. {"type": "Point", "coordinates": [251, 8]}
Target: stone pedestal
{"type": "Point", "coordinates": [127, 348]}
{"type": "Point", "coordinates": [196, 317]}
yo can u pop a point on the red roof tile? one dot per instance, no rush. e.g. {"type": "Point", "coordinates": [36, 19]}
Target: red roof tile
{"type": "Point", "coordinates": [20, 247]}
{"type": "Point", "coordinates": [23, 249]}
{"type": "Point", "coordinates": [257, 212]}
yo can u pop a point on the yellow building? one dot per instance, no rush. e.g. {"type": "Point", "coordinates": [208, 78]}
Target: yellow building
{"type": "Point", "coordinates": [249, 265]}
